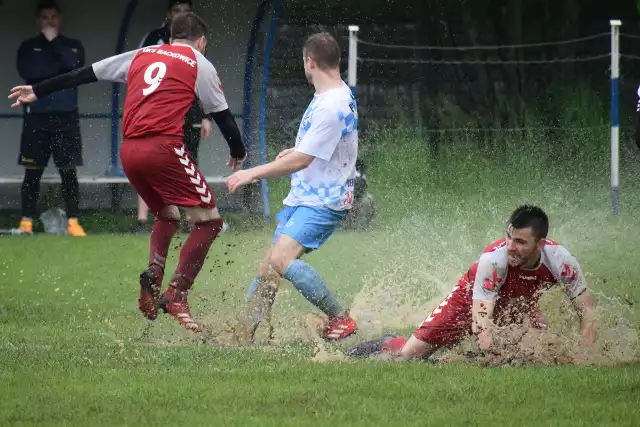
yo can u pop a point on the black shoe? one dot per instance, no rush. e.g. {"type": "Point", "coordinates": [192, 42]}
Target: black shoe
{"type": "Point", "coordinates": [368, 348]}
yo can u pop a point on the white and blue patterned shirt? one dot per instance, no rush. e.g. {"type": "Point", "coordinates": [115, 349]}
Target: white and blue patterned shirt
{"type": "Point", "coordinates": [329, 132]}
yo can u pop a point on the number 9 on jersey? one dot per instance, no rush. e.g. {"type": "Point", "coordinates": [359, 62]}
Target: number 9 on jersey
{"type": "Point", "coordinates": [153, 78]}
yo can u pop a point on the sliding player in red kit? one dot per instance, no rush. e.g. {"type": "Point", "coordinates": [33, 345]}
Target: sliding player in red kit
{"type": "Point", "coordinates": [163, 82]}
{"type": "Point", "coordinates": [503, 287]}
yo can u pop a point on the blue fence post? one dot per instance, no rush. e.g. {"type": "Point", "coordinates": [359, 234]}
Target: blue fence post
{"type": "Point", "coordinates": [248, 78]}
{"type": "Point", "coordinates": [263, 102]}
{"type": "Point", "coordinates": [115, 90]}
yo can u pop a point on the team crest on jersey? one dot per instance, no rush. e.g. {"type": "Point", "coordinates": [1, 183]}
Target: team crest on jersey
{"type": "Point", "coordinates": [569, 273]}
{"type": "Point", "coordinates": [219, 82]}
{"type": "Point", "coordinates": [492, 280]}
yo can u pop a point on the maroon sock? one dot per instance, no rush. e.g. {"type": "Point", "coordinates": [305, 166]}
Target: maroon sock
{"type": "Point", "coordinates": [161, 235]}
{"type": "Point", "coordinates": [394, 345]}
{"type": "Point", "coordinates": [194, 253]}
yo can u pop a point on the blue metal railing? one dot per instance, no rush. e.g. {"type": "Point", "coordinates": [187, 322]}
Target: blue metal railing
{"type": "Point", "coordinates": [263, 101]}
{"type": "Point", "coordinates": [248, 73]}
{"type": "Point", "coordinates": [115, 90]}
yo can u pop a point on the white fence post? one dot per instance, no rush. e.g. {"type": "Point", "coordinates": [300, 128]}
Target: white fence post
{"type": "Point", "coordinates": [352, 75]}
{"type": "Point", "coordinates": [615, 116]}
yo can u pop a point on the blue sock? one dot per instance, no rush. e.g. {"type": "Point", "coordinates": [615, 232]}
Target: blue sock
{"type": "Point", "coordinates": [256, 315]}
{"type": "Point", "coordinates": [309, 283]}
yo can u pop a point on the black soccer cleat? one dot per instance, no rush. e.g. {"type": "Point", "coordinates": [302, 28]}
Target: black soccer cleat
{"type": "Point", "coordinates": [368, 348]}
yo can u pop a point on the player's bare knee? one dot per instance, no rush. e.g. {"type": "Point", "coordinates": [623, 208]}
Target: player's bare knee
{"type": "Point", "coordinates": [284, 252]}
{"type": "Point", "coordinates": [199, 214]}
{"type": "Point", "coordinates": [169, 213]}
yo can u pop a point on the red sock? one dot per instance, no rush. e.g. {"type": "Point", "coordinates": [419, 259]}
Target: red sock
{"type": "Point", "coordinates": [161, 235]}
{"type": "Point", "coordinates": [394, 344]}
{"type": "Point", "coordinates": [194, 253]}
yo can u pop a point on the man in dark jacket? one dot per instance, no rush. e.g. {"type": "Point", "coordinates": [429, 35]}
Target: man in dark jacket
{"type": "Point", "coordinates": [51, 126]}
{"type": "Point", "coordinates": [195, 128]}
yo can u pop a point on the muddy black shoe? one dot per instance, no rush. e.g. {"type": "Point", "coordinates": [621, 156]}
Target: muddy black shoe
{"type": "Point", "coordinates": [369, 348]}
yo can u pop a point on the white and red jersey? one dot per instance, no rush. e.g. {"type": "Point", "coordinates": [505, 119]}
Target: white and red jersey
{"type": "Point", "coordinates": [494, 280]}
{"type": "Point", "coordinates": [514, 290]}
{"type": "Point", "coordinates": [163, 82]}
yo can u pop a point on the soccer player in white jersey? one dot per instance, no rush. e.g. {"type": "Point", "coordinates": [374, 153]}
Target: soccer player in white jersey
{"type": "Point", "coordinates": [503, 287]}
{"type": "Point", "coordinates": [322, 168]}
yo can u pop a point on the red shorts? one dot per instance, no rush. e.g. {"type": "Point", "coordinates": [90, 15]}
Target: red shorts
{"type": "Point", "coordinates": [162, 172]}
{"type": "Point", "coordinates": [451, 321]}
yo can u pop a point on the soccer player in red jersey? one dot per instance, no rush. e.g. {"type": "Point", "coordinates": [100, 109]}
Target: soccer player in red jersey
{"type": "Point", "coordinates": [503, 287]}
{"type": "Point", "coordinates": [163, 82]}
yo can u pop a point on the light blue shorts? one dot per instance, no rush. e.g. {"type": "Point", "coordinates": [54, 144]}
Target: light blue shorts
{"type": "Point", "coordinates": [309, 226]}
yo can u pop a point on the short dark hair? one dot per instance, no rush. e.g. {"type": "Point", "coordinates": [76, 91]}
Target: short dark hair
{"type": "Point", "coordinates": [47, 4]}
{"type": "Point", "coordinates": [324, 49]}
{"type": "Point", "coordinates": [530, 216]}
{"type": "Point", "coordinates": [175, 2]}
{"type": "Point", "coordinates": [188, 26]}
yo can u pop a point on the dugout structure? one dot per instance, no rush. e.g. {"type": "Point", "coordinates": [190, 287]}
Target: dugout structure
{"type": "Point", "coordinates": [256, 47]}
{"type": "Point", "coordinates": [442, 69]}
{"type": "Point", "coordinates": [241, 37]}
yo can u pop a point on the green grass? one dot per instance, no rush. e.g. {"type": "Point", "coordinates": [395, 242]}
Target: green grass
{"type": "Point", "coordinates": [75, 351]}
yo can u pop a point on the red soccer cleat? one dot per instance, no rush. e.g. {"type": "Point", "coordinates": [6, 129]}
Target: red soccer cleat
{"type": "Point", "coordinates": [340, 327]}
{"type": "Point", "coordinates": [150, 287]}
{"type": "Point", "coordinates": [174, 302]}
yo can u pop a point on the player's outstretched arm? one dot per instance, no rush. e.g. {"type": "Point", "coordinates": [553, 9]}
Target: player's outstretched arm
{"type": "Point", "coordinates": [319, 141]}
{"type": "Point", "coordinates": [489, 278]}
{"type": "Point", "coordinates": [114, 68]}
{"type": "Point", "coordinates": [285, 152]}
{"type": "Point", "coordinates": [28, 94]}
{"type": "Point", "coordinates": [571, 275]}
{"type": "Point", "coordinates": [286, 165]}
{"type": "Point", "coordinates": [482, 326]}
{"type": "Point", "coordinates": [586, 309]}
{"type": "Point", "coordinates": [229, 129]}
